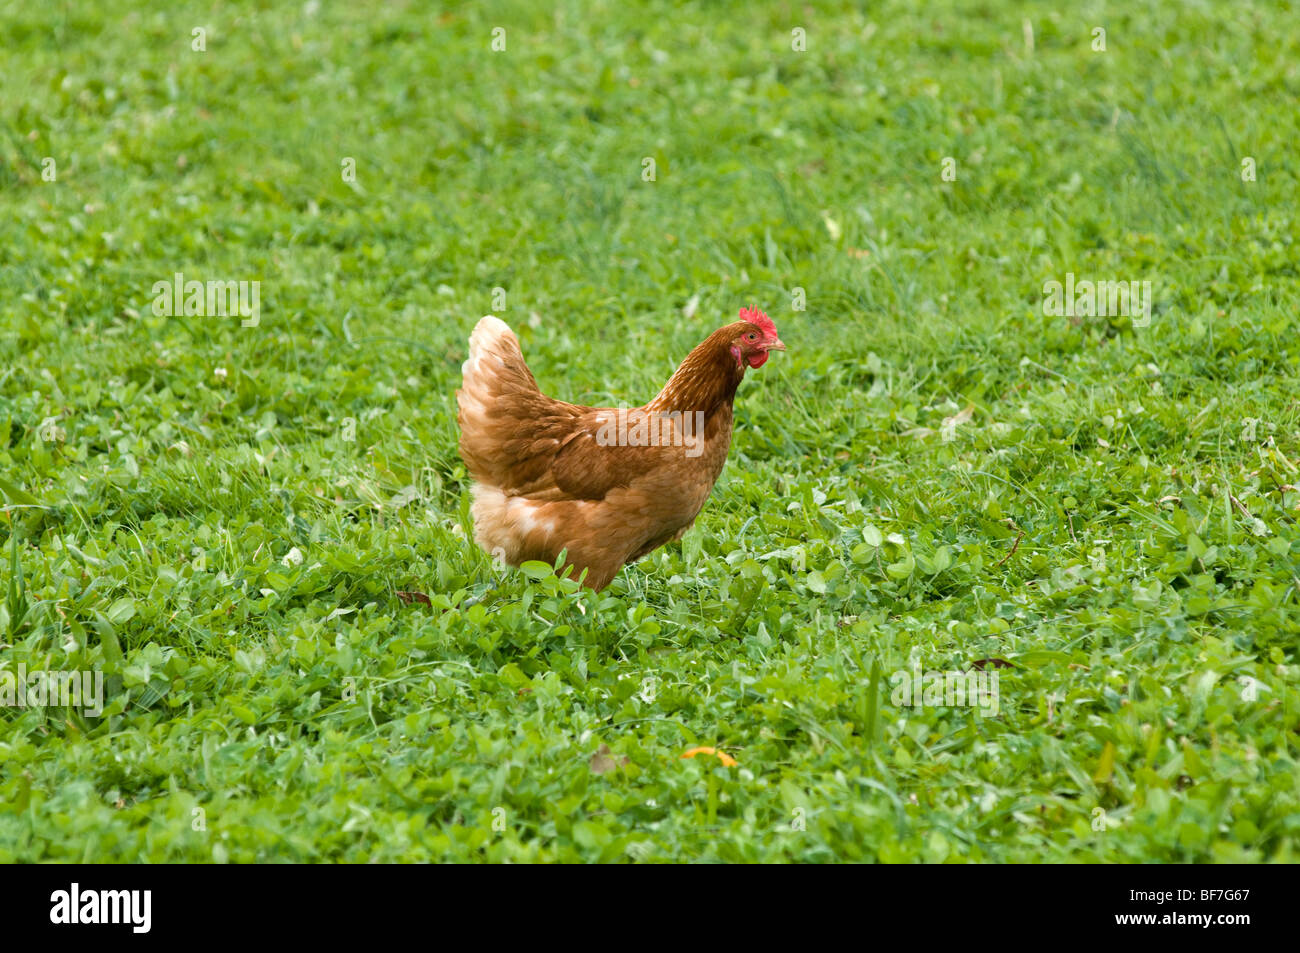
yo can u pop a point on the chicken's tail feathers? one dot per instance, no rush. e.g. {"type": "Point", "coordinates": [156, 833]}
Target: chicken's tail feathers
{"type": "Point", "coordinates": [495, 369]}
{"type": "Point", "coordinates": [494, 353]}
{"type": "Point", "coordinates": [500, 409]}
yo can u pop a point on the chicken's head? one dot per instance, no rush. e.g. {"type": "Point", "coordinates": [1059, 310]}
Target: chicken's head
{"type": "Point", "coordinates": [757, 337]}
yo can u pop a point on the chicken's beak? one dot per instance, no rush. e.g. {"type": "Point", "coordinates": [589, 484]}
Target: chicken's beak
{"type": "Point", "coordinates": [777, 345]}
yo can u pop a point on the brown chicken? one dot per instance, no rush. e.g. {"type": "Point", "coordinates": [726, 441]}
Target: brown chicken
{"type": "Point", "coordinates": [608, 485]}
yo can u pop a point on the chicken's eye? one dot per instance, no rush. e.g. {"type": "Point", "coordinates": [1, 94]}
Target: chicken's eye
{"type": "Point", "coordinates": [751, 336]}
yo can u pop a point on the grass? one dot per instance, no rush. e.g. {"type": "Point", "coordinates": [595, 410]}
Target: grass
{"type": "Point", "coordinates": [938, 475]}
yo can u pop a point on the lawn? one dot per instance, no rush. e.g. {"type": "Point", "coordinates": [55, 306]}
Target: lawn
{"type": "Point", "coordinates": [254, 528]}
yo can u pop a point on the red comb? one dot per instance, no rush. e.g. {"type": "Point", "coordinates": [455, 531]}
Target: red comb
{"type": "Point", "coordinates": [756, 317]}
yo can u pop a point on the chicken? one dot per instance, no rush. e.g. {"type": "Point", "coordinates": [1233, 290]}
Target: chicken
{"type": "Point", "coordinates": [608, 485]}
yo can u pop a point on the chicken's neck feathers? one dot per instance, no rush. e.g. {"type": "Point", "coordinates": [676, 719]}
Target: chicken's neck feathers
{"type": "Point", "coordinates": [706, 379]}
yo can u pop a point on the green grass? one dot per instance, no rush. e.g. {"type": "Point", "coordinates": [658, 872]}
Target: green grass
{"type": "Point", "coordinates": [184, 512]}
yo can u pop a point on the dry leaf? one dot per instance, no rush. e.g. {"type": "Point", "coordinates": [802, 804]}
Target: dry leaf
{"type": "Point", "coordinates": [409, 597]}
{"type": "Point", "coordinates": [603, 763]}
{"type": "Point", "coordinates": [722, 756]}
{"type": "Point", "coordinates": [832, 227]}
{"type": "Point", "coordinates": [959, 418]}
